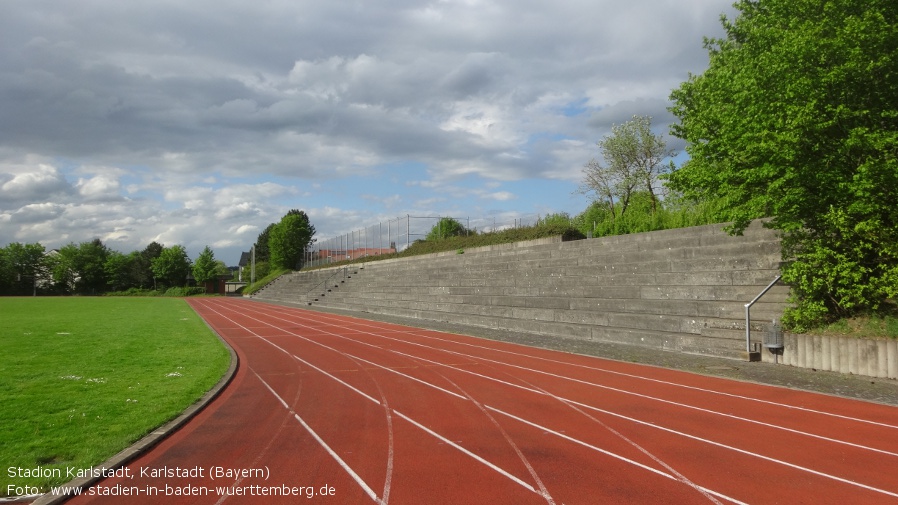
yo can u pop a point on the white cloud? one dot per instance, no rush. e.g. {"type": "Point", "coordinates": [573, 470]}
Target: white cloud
{"type": "Point", "coordinates": [197, 119]}
{"type": "Point", "coordinates": [101, 187]}
{"type": "Point", "coordinates": [500, 196]}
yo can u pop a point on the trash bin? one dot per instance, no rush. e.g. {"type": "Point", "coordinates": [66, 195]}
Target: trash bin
{"type": "Point", "coordinates": [774, 337]}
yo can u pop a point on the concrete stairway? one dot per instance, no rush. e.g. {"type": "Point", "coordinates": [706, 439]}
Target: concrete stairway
{"type": "Point", "coordinates": [305, 287]}
{"type": "Point", "coordinates": [681, 290]}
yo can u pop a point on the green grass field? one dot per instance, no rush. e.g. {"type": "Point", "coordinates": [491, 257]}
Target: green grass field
{"type": "Point", "coordinates": [83, 378]}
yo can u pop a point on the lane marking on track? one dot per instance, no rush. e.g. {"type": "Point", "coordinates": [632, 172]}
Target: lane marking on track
{"type": "Point", "coordinates": [543, 491]}
{"type": "Point", "coordinates": [261, 453]}
{"type": "Point", "coordinates": [693, 437]}
{"type": "Point", "coordinates": [741, 451]}
{"type": "Point", "coordinates": [623, 391]}
{"type": "Point", "coordinates": [361, 482]}
{"type": "Point", "coordinates": [718, 444]}
{"type": "Point", "coordinates": [403, 416]}
{"type": "Point", "coordinates": [687, 406]}
{"type": "Point", "coordinates": [465, 451]}
{"type": "Point", "coordinates": [682, 478]}
{"type": "Point", "coordinates": [675, 384]}
{"type": "Point", "coordinates": [619, 457]}
{"type": "Point", "coordinates": [417, 333]}
{"type": "Point", "coordinates": [535, 389]}
{"type": "Point", "coordinates": [608, 453]}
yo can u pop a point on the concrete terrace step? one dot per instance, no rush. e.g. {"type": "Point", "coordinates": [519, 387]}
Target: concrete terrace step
{"type": "Point", "coordinates": [681, 290]}
{"type": "Point", "coordinates": [724, 342]}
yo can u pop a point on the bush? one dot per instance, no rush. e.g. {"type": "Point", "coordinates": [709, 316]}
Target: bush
{"type": "Point", "coordinates": [445, 228]}
{"type": "Point", "coordinates": [670, 213]}
{"type": "Point", "coordinates": [134, 292]}
{"type": "Point", "coordinates": [850, 271]}
{"type": "Point", "coordinates": [185, 291]}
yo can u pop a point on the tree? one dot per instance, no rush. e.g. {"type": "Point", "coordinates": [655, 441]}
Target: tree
{"type": "Point", "coordinates": [796, 119]}
{"type": "Point", "coordinates": [221, 269]}
{"type": "Point", "coordinates": [119, 270]}
{"type": "Point", "coordinates": [289, 240]}
{"type": "Point", "coordinates": [262, 253]}
{"type": "Point", "coordinates": [91, 259]}
{"type": "Point", "coordinates": [171, 267]}
{"type": "Point", "coordinates": [205, 268]}
{"type": "Point", "coordinates": [7, 274]}
{"type": "Point", "coordinates": [24, 266]}
{"type": "Point", "coordinates": [633, 158]}
{"type": "Point", "coordinates": [561, 218]}
{"type": "Point", "coordinates": [81, 268]}
{"type": "Point", "coordinates": [446, 227]}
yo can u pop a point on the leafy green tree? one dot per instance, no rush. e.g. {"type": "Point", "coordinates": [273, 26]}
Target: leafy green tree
{"type": "Point", "coordinates": [123, 271]}
{"type": "Point", "coordinates": [289, 239]}
{"type": "Point", "coordinates": [63, 270]}
{"type": "Point", "coordinates": [171, 267]}
{"type": "Point", "coordinates": [92, 258]}
{"type": "Point", "coordinates": [142, 267]}
{"type": "Point", "coordinates": [796, 119]}
{"type": "Point", "coordinates": [222, 269]}
{"type": "Point", "coordinates": [205, 268]}
{"type": "Point", "coordinates": [262, 253]}
{"type": "Point", "coordinates": [7, 274]}
{"type": "Point", "coordinates": [559, 218]}
{"type": "Point", "coordinates": [446, 227]}
{"type": "Point", "coordinates": [633, 157]}
{"type": "Point", "coordinates": [24, 266]}
{"type": "Point", "coordinates": [81, 268]}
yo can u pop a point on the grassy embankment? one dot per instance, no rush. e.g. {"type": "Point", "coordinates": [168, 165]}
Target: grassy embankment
{"type": "Point", "coordinates": [83, 378]}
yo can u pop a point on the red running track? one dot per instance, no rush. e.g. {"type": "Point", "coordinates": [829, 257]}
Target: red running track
{"type": "Point", "coordinates": [355, 411]}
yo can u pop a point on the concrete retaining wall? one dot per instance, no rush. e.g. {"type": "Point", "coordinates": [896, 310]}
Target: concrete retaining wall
{"type": "Point", "coordinates": [873, 358]}
{"type": "Point", "coordinates": [677, 290]}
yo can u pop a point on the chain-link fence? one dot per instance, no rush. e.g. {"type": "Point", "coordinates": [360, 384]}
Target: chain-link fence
{"type": "Point", "coordinates": [397, 234]}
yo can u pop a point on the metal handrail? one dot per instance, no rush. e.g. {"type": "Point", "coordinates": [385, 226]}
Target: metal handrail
{"type": "Point", "coordinates": [748, 313]}
{"type": "Point", "coordinates": [325, 281]}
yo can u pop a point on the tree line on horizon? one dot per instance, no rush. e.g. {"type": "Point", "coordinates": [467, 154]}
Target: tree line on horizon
{"type": "Point", "coordinates": [92, 268]}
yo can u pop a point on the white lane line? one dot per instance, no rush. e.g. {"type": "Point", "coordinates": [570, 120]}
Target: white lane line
{"type": "Point", "coordinates": [409, 377]}
{"type": "Point", "coordinates": [315, 435]}
{"type": "Point", "coordinates": [682, 478]}
{"type": "Point", "coordinates": [725, 446]}
{"type": "Point", "coordinates": [403, 416]}
{"type": "Point", "coordinates": [389, 471]}
{"type": "Point", "coordinates": [543, 491]}
{"type": "Point", "coordinates": [622, 458]}
{"type": "Point", "coordinates": [341, 381]}
{"type": "Point", "coordinates": [361, 482]}
{"type": "Point", "coordinates": [678, 404]}
{"type": "Point", "coordinates": [693, 437]}
{"type": "Point", "coordinates": [465, 451]}
{"type": "Point", "coordinates": [388, 479]}
{"type": "Point", "coordinates": [614, 372]}
{"type": "Point", "coordinates": [736, 449]}
{"type": "Point", "coordinates": [670, 402]}
{"type": "Point", "coordinates": [607, 453]}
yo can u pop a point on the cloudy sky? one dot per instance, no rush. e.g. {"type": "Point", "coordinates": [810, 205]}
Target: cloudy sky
{"type": "Point", "coordinates": [199, 122]}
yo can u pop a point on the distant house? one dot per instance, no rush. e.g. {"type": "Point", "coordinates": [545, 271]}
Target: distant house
{"type": "Point", "coordinates": [245, 260]}
{"type": "Point", "coordinates": [217, 286]}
